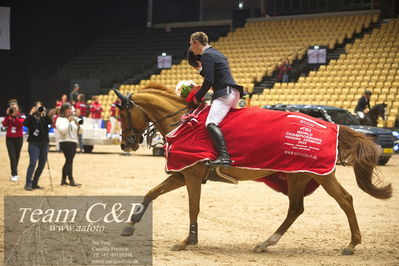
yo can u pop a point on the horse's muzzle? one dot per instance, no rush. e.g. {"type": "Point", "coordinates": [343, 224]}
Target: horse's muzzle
{"type": "Point", "coordinates": [128, 148]}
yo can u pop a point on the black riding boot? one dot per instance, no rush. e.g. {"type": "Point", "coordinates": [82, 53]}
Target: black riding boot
{"type": "Point", "coordinates": [220, 145]}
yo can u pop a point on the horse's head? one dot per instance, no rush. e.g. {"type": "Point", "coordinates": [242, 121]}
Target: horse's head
{"type": "Point", "coordinates": [379, 110]}
{"type": "Point", "coordinates": [133, 122]}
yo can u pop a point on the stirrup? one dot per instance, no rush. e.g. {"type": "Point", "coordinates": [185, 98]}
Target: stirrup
{"type": "Point", "coordinates": [219, 163]}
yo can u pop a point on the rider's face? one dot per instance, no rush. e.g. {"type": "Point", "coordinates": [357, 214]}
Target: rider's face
{"type": "Point", "coordinates": [196, 47]}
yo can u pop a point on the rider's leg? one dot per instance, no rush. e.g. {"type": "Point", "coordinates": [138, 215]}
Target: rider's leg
{"type": "Point", "coordinates": [219, 109]}
{"type": "Point", "coordinates": [220, 145]}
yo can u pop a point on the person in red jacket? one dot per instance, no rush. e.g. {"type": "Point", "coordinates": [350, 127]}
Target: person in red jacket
{"type": "Point", "coordinates": [14, 137]}
{"type": "Point", "coordinates": [115, 119]}
{"type": "Point", "coordinates": [284, 71]}
{"type": "Point", "coordinates": [81, 105]}
{"type": "Point", "coordinates": [95, 111]}
{"type": "Point", "coordinates": [63, 100]}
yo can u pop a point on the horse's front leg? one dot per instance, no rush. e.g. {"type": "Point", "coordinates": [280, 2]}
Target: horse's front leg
{"type": "Point", "coordinates": [173, 182]}
{"type": "Point", "coordinates": [193, 180]}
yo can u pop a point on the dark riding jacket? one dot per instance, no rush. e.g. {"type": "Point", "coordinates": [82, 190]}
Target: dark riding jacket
{"type": "Point", "coordinates": [216, 73]}
{"type": "Point", "coordinates": [362, 104]}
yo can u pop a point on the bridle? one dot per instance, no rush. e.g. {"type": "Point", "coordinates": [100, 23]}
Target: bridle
{"type": "Point", "coordinates": [131, 135]}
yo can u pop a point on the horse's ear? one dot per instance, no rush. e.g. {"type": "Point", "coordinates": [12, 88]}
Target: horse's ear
{"type": "Point", "coordinates": [129, 100]}
{"type": "Point", "coordinates": [120, 96]}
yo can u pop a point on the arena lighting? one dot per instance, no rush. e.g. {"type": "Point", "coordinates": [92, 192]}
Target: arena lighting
{"type": "Point", "coordinates": [316, 47]}
{"type": "Point", "coordinates": [163, 54]}
{"type": "Point", "coordinates": [240, 5]}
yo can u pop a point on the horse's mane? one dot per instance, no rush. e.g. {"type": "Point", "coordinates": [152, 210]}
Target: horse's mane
{"type": "Point", "coordinates": [160, 89]}
{"type": "Point", "coordinates": [156, 86]}
{"type": "Point", "coordinates": [379, 105]}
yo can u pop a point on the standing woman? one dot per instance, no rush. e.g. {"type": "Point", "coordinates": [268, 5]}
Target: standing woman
{"type": "Point", "coordinates": [14, 137]}
{"type": "Point", "coordinates": [38, 124]}
{"type": "Point", "coordinates": [67, 127]}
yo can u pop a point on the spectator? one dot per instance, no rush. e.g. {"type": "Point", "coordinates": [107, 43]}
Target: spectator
{"type": "Point", "coordinates": [67, 126]}
{"type": "Point", "coordinates": [14, 136]}
{"type": "Point", "coordinates": [95, 111]}
{"type": "Point", "coordinates": [115, 119]}
{"type": "Point", "coordinates": [73, 97]}
{"type": "Point", "coordinates": [63, 100]}
{"type": "Point", "coordinates": [38, 124]}
{"type": "Point", "coordinates": [363, 104]}
{"type": "Point", "coordinates": [82, 105]}
{"type": "Point", "coordinates": [284, 71]}
{"type": "Point", "coordinates": [12, 101]}
{"type": "Point", "coordinates": [80, 129]}
{"type": "Point", "coordinates": [81, 111]}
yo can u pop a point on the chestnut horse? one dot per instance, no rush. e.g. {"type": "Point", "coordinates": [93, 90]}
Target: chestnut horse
{"type": "Point", "coordinates": [163, 108]}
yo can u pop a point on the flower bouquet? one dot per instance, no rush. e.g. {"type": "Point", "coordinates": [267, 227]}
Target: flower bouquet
{"type": "Point", "coordinates": [187, 90]}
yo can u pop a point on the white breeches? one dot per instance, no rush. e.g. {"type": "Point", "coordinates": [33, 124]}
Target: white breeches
{"type": "Point", "coordinates": [221, 106]}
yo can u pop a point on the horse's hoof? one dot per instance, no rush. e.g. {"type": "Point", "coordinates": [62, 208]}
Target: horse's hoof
{"type": "Point", "coordinates": [128, 231]}
{"type": "Point", "coordinates": [347, 251]}
{"type": "Point", "coordinates": [178, 247]}
{"type": "Point", "coordinates": [259, 248]}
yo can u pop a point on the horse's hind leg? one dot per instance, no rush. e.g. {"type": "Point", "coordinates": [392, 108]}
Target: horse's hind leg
{"type": "Point", "coordinates": [296, 188]}
{"type": "Point", "coordinates": [345, 201]}
{"type": "Point", "coordinates": [173, 182]}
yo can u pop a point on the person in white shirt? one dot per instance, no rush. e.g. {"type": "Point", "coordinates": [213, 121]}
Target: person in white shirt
{"type": "Point", "coordinates": [68, 128]}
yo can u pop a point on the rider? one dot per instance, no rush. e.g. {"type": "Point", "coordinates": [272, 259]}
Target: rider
{"type": "Point", "coordinates": [363, 105]}
{"type": "Point", "coordinates": [213, 66]}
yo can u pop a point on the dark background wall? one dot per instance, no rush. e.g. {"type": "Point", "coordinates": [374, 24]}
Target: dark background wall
{"type": "Point", "coordinates": [223, 9]}
{"type": "Point", "coordinates": [175, 10]}
{"type": "Point", "coordinates": [45, 34]}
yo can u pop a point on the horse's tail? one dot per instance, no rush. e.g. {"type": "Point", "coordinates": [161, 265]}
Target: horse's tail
{"type": "Point", "coordinates": [360, 151]}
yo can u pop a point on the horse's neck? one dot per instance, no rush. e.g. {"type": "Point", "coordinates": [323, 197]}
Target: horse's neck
{"type": "Point", "coordinates": [158, 112]}
{"type": "Point", "coordinates": [372, 116]}
{"type": "Point", "coordinates": [375, 111]}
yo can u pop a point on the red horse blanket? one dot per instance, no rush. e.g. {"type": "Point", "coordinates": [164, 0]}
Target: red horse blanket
{"type": "Point", "coordinates": [258, 138]}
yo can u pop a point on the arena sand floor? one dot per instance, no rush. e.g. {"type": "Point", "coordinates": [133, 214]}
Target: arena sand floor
{"type": "Point", "coordinates": [233, 218]}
